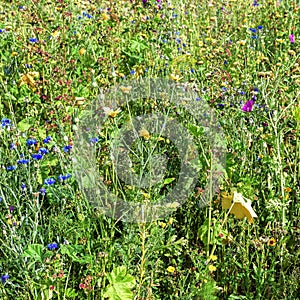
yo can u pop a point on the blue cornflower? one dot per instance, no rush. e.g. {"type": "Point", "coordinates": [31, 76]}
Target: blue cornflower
{"type": "Point", "coordinates": [43, 151]}
{"type": "Point", "coordinates": [4, 278]}
{"type": "Point", "coordinates": [21, 7]}
{"type": "Point", "coordinates": [67, 148]}
{"type": "Point", "coordinates": [23, 161]}
{"type": "Point", "coordinates": [43, 191]}
{"type": "Point", "coordinates": [12, 146]}
{"type": "Point", "coordinates": [255, 3]}
{"type": "Point", "coordinates": [37, 156]}
{"type": "Point", "coordinates": [47, 140]}
{"type": "Point", "coordinates": [132, 72]}
{"type": "Point", "coordinates": [225, 62]}
{"type": "Point", "coordinates": [63, 177]}
{"type": "Point", "coordinates": [33, 40]}
{"type": "Point", "coordinates": [49, 181]}
{"type": "Point", "coordinates": [5, 122]}
{"type": "Point", "coordinates": [224, 89]}
{"type": "Point", "coordinates": [192, 71]}
{"type": "Point", "coordinates": [221, 105]}
{"type": "Point", "coordinates": [260, 27]}
{"type": "Point", "coordinates": [2, 30]}
{"type": "Point", "coordinates": [79, 17]}
{"type": "Point", "coordinates": [253, 30]}
{"type": "Point", "coordinates": [23, 186]}
{"type": "Point", "coordinates": [254, 36]}
{"type": "Point", "coordinates": [256, 89]}
{"type": "Point", "coordinates": [31, 142]}
{"type": "Point", "coordinates": [11, 168]}
{"type": "Point", "coordinates": [28, 66]}
{"type": "Point", "coordinates": [52, 246]}
{"type": "Point", "coordinates": [94, 140]}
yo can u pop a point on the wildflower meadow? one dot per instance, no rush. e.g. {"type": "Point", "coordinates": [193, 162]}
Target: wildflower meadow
{"type": "Point", "coordinates": [149, 149]}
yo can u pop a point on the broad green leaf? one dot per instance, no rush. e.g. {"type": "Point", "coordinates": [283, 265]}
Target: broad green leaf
{"type": "Point", "coordinates": [120, 285]}
{"type": "Point", "coordinates": [34, 251]}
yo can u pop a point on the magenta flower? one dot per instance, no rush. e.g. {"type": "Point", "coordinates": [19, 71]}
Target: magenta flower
{"type": "Point", "coordinates": [292, 38]}
{"type": "Point", "coordinates": [248, 106]}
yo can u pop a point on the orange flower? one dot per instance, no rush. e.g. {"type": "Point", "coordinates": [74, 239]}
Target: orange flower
{"type": "Point", "coordinates": [82, 51]}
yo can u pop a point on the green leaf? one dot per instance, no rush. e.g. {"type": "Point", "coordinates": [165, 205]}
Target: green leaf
{"type": "Point", "coordinates": [34, 251]}
{"type": "Point", "coordinates": [73, 250]}
{"type": "Point", "coordinates": [120, 285]}
{"type": "Point", "coordinates": [168, 180]}
{"type": "Point", "coordinates": [24, 125]}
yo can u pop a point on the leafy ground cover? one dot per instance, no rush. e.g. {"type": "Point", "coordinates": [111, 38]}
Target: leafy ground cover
{"type": "Point", "coordinates": [242, 57]}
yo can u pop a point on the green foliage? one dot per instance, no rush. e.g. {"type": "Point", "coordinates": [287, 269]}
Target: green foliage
{"type": "Point", "coordinates": [120, 284]}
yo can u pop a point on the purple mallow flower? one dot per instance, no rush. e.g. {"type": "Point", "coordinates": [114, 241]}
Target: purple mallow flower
{"type": "Point", "coordinates": [248, 106]}
{"type": "Point", "coordinates": [292, 38]}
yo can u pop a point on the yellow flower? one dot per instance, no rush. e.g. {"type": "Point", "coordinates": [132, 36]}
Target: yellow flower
{"type": "Point", "coordinates": [271, 242]}
{"type": "Point", "coordinates": [14, 53]}
{"type": "Point", "coordinates": [126, 89]}
{"type": "Point", "coordinates": [79, 101]}
{"type": "Point", "coordinates": [171, 220]}
{"type": "Point", "coordinates": [292, 52]}
{"type": "Point", "coordinates": [110, 112]}
{"type": "Point", "coordinates": [212, 268]}
{"type": "Point", "coordinates": [175, 77]}
{"type": "Point", "coordinates": [162, 224]}
{"type": "Point", "coordinates": [145, 134]}
{"type": "Point", "coordinates": [171, 269]}
{"type": "Point", "coordinates": [82, 51]}
{"type": "Point", "coordinates": [105, 17]}
{"type": "Point", "coordinates": [213, 257]}
{"type": "Point", "coordinates": [243, 42]}
{"type": "Point", "coordinates": [55, 34]}
{"type": "Point", "coordinates": [28, 79]}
